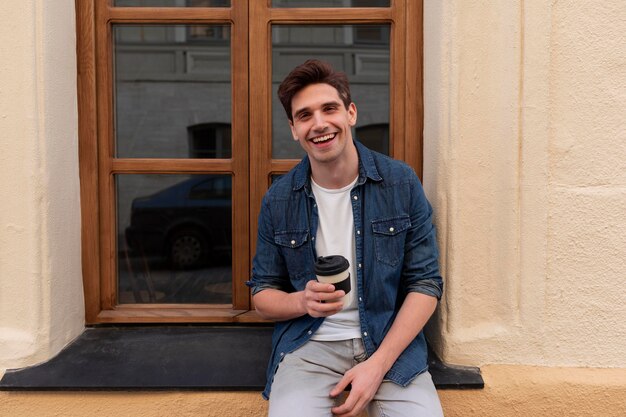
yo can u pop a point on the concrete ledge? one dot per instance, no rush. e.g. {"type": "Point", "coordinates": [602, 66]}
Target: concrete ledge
{"type": "Point", "coordinates": [153, 358]}
{"type": "Point", "coordinates": [227, 358]}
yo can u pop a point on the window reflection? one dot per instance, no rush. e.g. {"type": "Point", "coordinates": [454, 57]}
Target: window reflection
{"type": "Point", "coordinates": [209, 140]}
{"type": "Point", "coordinates": [169, 77]}
{"type": "Point", "coordinates": [174, 238]}
{"type": "Point", "coordinates": [375, 137]}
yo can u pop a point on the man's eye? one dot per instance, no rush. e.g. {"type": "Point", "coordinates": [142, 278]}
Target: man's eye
{"type": "Point", "coordinates": [303, 116]}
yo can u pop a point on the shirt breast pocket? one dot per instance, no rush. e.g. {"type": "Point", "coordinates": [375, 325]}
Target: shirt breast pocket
{"type": "Point", "coordinates": [296, 254]}
{"type": "Point", "coordinates": [389, 237]}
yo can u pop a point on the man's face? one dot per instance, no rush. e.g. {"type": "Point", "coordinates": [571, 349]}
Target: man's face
{"type": "Point", "coordinates": [321, 123]}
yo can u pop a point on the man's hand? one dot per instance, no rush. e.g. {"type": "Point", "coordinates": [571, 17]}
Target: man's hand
{"type": "Point", "coordinates": [365, 378]}
{"type": "Point", "coordinates": [321, 300]}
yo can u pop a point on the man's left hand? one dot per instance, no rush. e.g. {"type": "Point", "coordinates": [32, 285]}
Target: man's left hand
{"type": "Point", "coordinates": [365, 378]}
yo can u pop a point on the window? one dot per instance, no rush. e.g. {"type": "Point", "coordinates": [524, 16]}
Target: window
{"type": "Point", "coordinates": [181, 134]}
{"type": "Point", "coordinates": [374, 136]}
{"type": "Point", "coordinates": [209, 140]}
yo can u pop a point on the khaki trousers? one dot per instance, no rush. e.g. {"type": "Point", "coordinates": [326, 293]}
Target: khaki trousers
{"type": "Point", "coordinates": [306, 376]}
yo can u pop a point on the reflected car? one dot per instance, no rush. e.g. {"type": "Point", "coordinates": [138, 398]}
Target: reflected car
{"type": "Point", "coordinates": [187, 224]}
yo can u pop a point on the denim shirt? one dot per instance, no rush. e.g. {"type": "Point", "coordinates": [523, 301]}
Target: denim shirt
{"type": "Point", "coordinates": [396, 253]}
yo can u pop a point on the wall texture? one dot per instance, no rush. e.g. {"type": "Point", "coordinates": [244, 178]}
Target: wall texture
{"type": "Point", "coordinates": [526, 165]}
{"type": "Point", "coordinates": [41, 307]}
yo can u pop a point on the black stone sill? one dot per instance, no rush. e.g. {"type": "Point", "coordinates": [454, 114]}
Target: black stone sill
{"type": "Point", "coordinates": [153, 358]}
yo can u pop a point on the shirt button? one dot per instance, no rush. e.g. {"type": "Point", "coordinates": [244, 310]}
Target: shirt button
{"type": "Point", "coordinates": [293, 242]}
{"type": "Point", "coordinates": [391, 229]}
{"type": "Point", "coordinates": [312, 237]}
{"type": "Point", "coordinates": [359, 265]}
{"type": "Point", "coordinates": [310, 332]}
{"type": "Point", "coordinates": [364, 334]}
{"type": "Point", "coordinates": [356, 197]}
{"type": "Point", "coordinates": [358, 232]}
{"type": "Point", "coordinates": [360, 299]}
{"type": "Point", "coordinates": [282, 353]}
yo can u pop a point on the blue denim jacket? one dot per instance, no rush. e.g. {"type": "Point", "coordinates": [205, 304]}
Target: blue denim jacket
{"type": "Point", "coordinates": [396, 253]}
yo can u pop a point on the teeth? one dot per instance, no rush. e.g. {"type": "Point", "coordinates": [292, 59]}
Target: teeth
{"type": "Point", "coordinates": [323, 138]}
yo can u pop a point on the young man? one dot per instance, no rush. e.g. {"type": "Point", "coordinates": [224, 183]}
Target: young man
{"type": "Point", "coordinates": [343, 199]}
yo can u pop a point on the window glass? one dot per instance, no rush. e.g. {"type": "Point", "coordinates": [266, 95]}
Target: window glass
{"type": "Point", "coordinates": [210, 140]}
{"type": "Point", "coordinates": [171, 3]}
{"type": "Point", "coordinates": [361, 51]}
{"type": "Point", "coordinates": [330, 3]}
{"type": "Point", "coordinates": [174, 239]}
{"type": "Point", "coordinates": [375, 137]}
{"type": "Point", "coordinates": [167, 78]}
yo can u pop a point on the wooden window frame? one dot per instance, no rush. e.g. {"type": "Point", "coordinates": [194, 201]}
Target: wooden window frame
{"type": "Point", "coordinates": [251, 162]}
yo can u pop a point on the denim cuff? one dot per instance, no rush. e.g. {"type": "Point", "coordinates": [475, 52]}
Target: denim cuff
{"type": "Point", "coordinates": [428, 287]}
{"type": "Point", "coordinates": [257, 288]}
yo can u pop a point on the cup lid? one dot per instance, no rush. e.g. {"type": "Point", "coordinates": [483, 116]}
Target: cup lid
{"type": "Point", "coordinates": [331, 265]}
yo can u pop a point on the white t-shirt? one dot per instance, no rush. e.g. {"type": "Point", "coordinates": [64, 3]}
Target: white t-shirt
{"type": "Point", "coordinates": [335, 236]}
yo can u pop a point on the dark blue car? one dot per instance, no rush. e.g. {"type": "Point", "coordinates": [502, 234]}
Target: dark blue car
{"type": "Point", "coordinates": [188, 224]}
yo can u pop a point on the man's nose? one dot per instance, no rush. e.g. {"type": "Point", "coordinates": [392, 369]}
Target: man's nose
{"type": "Point", "coordinates": [319, 121]}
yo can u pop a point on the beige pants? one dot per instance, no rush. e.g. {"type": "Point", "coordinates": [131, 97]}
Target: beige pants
{"type": "Point", "coordinates": [305, 378]}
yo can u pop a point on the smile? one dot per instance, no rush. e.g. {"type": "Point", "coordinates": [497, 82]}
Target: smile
{"type": "Point", "coordinates": [324, 138]}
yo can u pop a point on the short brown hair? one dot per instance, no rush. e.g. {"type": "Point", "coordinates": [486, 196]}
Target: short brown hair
{"type": "Point", "coordinates": [313, 71]}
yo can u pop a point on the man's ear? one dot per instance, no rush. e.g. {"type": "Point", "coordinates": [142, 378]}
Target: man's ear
{"type": "Point", "coordinates": [352, 114]}
{"type": "Point", "coordinates": [293, 131]}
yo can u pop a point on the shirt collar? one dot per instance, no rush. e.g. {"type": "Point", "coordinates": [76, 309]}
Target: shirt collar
{"type": "Point", "coordinates": [367, 168]}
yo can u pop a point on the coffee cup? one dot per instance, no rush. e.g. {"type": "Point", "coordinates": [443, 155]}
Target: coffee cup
{"type": "Point", "coordinates": [334, 270]}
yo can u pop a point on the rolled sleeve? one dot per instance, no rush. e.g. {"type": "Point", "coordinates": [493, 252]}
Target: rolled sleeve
{"type": "Point", "coordinates": [268, 265]}
{"type": "Point", "coordinates": [421, 261]}
{"type": "Point", "coordinates": [257, 288]}
{"type": "Point", "coordinates": [428, 287]}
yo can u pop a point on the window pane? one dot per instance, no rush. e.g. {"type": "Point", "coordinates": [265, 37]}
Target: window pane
{"type": "Point", "coordinates": [374, 136]}
{"type": "Point", "coordinates": [174, 238]}
{"type": "Point", "coordinates": [169, 81]}
{"type": "Point", "coordinates": [361, 51]}
{"type": "Point", "coordinates": [330, 3]}
{"type": "Point", "coordinates": [171, 3]}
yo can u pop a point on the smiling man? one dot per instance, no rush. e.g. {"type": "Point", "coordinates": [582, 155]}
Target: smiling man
{"type": "Point", "coordinates": [343, 199]}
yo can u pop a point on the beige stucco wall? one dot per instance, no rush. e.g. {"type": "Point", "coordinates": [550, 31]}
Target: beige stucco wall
{"type": "Point", "coordinates": [510, 391]}
{"type": "Point", "coordinates": [41, 306]}
{"type": "Point", "coordinates": [525, 164]}
{"type": "Point", "coordinates": [525, 140]}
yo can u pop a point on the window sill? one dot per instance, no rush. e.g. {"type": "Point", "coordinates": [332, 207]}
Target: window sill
{"type": "Point", "coordinates": [141, 314]}
{"type": "Point", "coordinates": [232, 358]}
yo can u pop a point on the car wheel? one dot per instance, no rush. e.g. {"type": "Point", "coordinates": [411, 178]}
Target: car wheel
{"type": "Point", "coordinates": [187, 249]}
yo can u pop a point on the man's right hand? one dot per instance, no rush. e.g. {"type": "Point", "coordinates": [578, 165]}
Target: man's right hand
{"type": "Point", "coordinates": [321, 300]}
